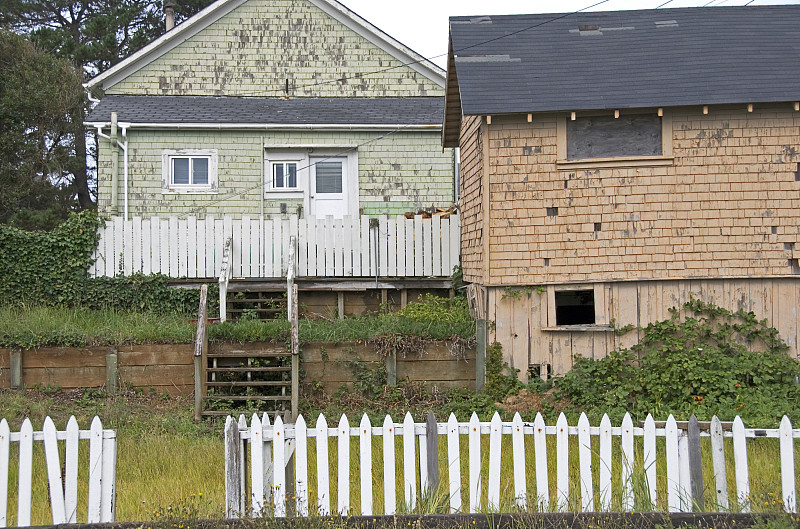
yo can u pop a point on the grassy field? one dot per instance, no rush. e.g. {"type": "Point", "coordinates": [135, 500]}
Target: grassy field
{"type": "Point", "coordinates": [168, 466]}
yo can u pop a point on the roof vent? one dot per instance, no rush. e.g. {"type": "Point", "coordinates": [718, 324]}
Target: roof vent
{"type": "Point", "coordinates": [588, 27]}
{"type": "Point", "coordinates": [666, 24]}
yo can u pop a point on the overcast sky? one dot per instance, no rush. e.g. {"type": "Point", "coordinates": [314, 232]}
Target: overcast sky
{"type": "Point", "coordinates": [422, 24]}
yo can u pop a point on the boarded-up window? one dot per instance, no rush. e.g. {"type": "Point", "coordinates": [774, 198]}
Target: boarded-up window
{"type": "Point", "coordinates": [608, 137]}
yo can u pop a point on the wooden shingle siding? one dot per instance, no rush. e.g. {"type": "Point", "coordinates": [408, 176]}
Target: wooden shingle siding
{"type": "Point", "coordinates": [470, 199]}
{"type": "Point", "coordinates": [728, 206]}
{"type": "Point", "coordinates": [401, 172]}
{"type": "Point", "coordinates": [254, 49]}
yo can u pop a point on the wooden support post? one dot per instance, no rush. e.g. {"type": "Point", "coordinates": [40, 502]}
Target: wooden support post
{"type": "Point", "coordinates": [200, 348]}
{"type": "Point", "coordinates": [112, 371]}
{"type": "Point", "coordinates": [340, 302]}
{"type": "Point", "coordinates": [480, 356]}
{"type": "Point", "coordinates": [16, 369]}
{"type": "Point", "coordinates": [233, 470]}
{"type": "Point", "coordinates": [403, 297]}
{"type": "Point", "coordinates": [295, 339]}
{"type": "Point", "coordinates": [384, 300]}
{"type": "Point", "coordinates": [391, 369]}
{"type": "Point", "coordinates": [695, 465]}
{"type": "Point", "coordinates": [432, 445]}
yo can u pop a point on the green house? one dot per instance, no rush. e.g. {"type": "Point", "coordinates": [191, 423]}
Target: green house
{"type": "Point", "coordinates": [259, 112]}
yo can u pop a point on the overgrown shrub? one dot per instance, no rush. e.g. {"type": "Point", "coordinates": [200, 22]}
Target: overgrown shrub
{"type": "Point", "coordinates": [702, 360]}
{"type": "Point", "coordinates": [51, 268]}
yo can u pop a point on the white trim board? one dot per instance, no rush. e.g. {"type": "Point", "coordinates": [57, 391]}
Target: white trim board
{"type": "Point", "coordinates": [220, 8]}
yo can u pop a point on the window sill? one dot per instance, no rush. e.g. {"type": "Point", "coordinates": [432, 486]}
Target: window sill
{"type": "Point", "coordinates": [284, 193]}
{"type": "Point", "coordinates": [189, 191]}
{"type": "Point", "coordinates": [580, 328]}
{"type": "Point", "coordinates": [600, 163]}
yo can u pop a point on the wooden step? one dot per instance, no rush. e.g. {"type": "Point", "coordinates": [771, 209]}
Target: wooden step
{"type": "Point", "coordinates": [251, 383]}
{"type": "Point", "coordinates": [251, 354]}
{"type": "Point", "coordinates": [248, 397]}
{"type": "Point", "coordinates": [284, 369]}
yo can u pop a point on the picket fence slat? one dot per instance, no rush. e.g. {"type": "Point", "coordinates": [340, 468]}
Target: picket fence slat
{"type": "Point", "coordinates": [389, 470]}
{"type": "Point", "coordinates": [484, 462]}
{"type": "Point", "coordinates": [323, 483]}
{"type": "Point", "coordinates": [453, 463]}
{"type": "Point", "coordinates": [627, 463]}
{"type": "Point", "coordinates": [25, 473]}
{"type": "Point", "coordinates": [256, 466]}
{"type": "Point", "coordinates": [474, 463]}
{"type": "Point", "coordinates": [787, 465]}
{"type": "Point", "coordinates": [279, 470]}
{"type": "Point", "coordinates": [365, 440]}
{"type": "Point", "coordinates": [518, 451]}
{"type": "Point", "coordinates": [585, 462]}
{"type": "Point", "coordinates": [5, 442]}
{"type": "Point", "coordinates": [718, 462]}
{"type": "Point", "coordinates": [301, 467]}
{"type": "Point", "coordinates": [53, 463]}
{"type": "Point", "coordinates": [409, 463]}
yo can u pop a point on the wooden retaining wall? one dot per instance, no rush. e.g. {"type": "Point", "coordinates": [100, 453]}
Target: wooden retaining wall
{"type": "Point", "coordinates": [169, 367]}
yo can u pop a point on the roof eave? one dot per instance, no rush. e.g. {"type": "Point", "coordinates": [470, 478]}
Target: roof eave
{"type": "Point", "coordinates": [451, 129]}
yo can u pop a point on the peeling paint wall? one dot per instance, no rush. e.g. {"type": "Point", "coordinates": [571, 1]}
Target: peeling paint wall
{"type": "Point", "coordinates": [728, 204]}
{"type": "Point", "coordinates": [256, 48]}
{"type": "Point", "coordinates": [402, 172]}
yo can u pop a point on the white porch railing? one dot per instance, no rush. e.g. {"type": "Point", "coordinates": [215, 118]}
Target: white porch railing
{"type": "Point", "coordinates": [270, 448]}
{"type": "Point", "coordinates": [63, 493]}
{"type": "Point", "coordinates": [327, 247]}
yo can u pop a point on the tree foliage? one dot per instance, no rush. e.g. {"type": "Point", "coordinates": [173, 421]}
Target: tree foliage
{"type": "Point", "coordinates": [93, 35]}
{"type": "Point", "coordinates": [40, 101]}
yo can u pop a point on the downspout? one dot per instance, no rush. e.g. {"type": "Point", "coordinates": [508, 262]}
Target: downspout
{"type": "Point", "coordinates": [261, 216]}
{"type": "Point", "coordinates": [114, 164]}
{"type": "Point", "coordinates": [115, 145]}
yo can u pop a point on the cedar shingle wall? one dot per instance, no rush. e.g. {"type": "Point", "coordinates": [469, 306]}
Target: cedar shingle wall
{"type": "Point", "coordinates": [728, 207]}
{"type": "Point", "coordinates": [470, 203]}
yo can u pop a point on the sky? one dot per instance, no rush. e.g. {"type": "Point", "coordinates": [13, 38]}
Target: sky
{"type": "Point", "coordinates": [422, 24]}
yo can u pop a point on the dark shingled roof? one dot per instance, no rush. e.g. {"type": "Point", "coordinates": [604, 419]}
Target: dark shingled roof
{"type": "Point", "coordinates": [626, 59]}
{"type": "Point", "coordinates": [270, 110]}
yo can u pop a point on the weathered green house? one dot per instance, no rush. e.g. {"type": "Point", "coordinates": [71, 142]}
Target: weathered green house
{"type": "Point", "coordinates": [269, 109]}
{"type": "Point", "coordinates": [300, 102]}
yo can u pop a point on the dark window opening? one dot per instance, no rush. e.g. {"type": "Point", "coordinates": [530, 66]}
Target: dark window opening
{"type": "Point", "coordinates": [598, 226]}
{"type": "Point", "coordinates": [552, 212]}
{"type": "Point", "coordinates": [575, 307]}
{"type": "Point", "coordinates": [542, 371]}
{"type": "Point", "coordinates": [607, 137]}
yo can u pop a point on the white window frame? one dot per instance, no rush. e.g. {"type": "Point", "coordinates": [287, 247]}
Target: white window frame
{"type": "Point", "coordinates": [273, 158]}
{"type": "Point", "coordinates": [167, 184]}
{"type": "Point", "coordinates": [275, 163]}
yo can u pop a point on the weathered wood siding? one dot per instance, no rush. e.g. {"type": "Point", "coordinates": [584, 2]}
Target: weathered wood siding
{"type": "Point", "coordinates": [257, 47]}
{"type": "Point", "coordinates": [524, 327]}
{"type": "Point", "coordinates": [471, 198]}
{"type": "Point", "coordinates": [400, 172]}
{"type": "Point", "coordinates": [726, 204]}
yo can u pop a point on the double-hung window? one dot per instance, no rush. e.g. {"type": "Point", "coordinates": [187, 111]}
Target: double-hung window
{"type": "Point", "coordinates": [189, 171]}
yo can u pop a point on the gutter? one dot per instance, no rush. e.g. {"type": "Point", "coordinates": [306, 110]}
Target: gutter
{"type": "Point", "coordinates": [271, 126]}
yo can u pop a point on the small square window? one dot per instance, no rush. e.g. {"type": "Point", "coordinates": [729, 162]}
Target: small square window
{"type": "Point", "coordinates": [190, 171]}
{"type": "Point", "coordinates": [575, 307]}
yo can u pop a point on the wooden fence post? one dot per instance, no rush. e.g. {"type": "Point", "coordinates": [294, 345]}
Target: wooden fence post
{"type": "Point", "coordinates": [391, 368]}
{"type": "Point", "coordinates": [695, 464]}
{"type": "Point", "coordinates": [16, 369]}
{"type": "Point", "coordinates": [480, 355]}
{"type": "Point", "coordinates": [233, 470]}
{"type": "Point", "coordinates": [112, 371]}
{"type": "Point", "coordinates": [200, 346]}
{"type": "Point", "coordinates": [432, 445]}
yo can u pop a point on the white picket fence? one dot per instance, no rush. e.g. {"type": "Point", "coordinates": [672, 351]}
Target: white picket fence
{"type": "Point", "coordinates": [327, 247]}
{"type": "Point", "coordinates": [63, 493]}
{"type": "Point", "coordinates": [270, 448]}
